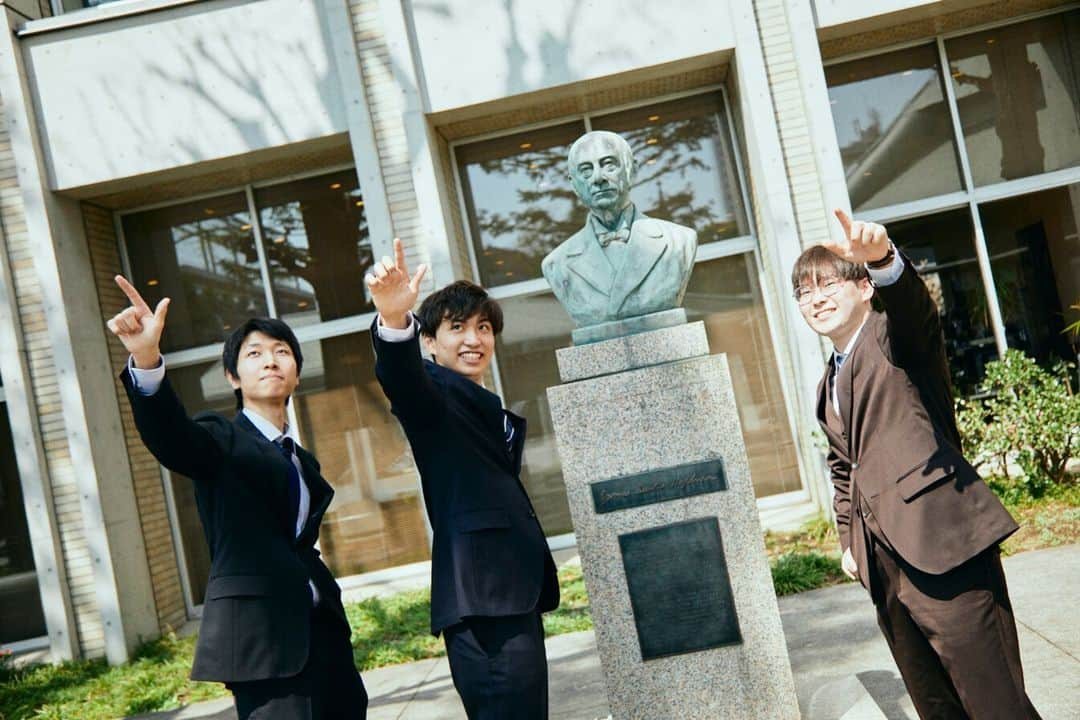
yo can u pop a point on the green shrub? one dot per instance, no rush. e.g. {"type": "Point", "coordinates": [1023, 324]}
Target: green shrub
{"type": "Point", "coordinates": [1031, 415]}
{"type": "Point", "coordinates": [796, 572]}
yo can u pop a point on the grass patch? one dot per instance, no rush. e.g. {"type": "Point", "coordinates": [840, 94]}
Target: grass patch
{"type": "Point", "coordinates": [157, 679]}
{"type": "Point", "coordinates": [1048, 521]}
{"type": "Point", "coordinates": [798, 572]}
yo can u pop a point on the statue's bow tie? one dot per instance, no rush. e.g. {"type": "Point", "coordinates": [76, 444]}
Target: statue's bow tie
{"type": "Point", "coordinates": [621, 235]}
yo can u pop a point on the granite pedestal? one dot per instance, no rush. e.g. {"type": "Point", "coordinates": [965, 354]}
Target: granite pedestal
{"type": "Point", "coordinates": [656, 473]}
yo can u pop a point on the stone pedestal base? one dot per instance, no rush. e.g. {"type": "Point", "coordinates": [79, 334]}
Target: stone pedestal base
{"type": "Point", "coordinates": [686, 619]}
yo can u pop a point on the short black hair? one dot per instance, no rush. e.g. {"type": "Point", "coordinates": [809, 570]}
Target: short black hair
{"type": "Point", "coordinates": [820, 262]}
{"type": "Point", "coordinates": [273, 327]}
{"type": "Point", "coordinates": [458, 301]}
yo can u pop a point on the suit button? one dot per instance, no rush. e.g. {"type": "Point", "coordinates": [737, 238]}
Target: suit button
{"type": "Point", "coordinates": [532, 514]}
{"type": "Point", "coordinates": [854, 466]}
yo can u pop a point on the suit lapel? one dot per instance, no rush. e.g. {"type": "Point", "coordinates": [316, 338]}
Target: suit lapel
{"type": "Point", "coordinates": [649, 245]}
{"type": "Point", "coordinates": [320, 491]}
{"type": "Point", "coordinates": [587, 260]}
{"type": "Point", "coordinates": [825, 412]}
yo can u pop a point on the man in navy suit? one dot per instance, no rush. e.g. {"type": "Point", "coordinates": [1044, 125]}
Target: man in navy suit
{"type": "Point", "coordinates": [492, 574]}
{"type": "Point", "coordinates": [273, 626]}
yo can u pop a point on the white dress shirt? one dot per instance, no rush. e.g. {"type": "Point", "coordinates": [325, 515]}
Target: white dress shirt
{"type": "Point", "coordinates": [148, 382]}
{"type": "Point", "coordinates": [878, 278]}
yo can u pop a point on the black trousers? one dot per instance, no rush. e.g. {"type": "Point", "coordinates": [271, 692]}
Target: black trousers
{"type": "Point", "coordinates": [953, 637]}
{"type": "Point", "coordinates": [499, 666]}
{"type": "Point", "coordinates": [328, 688]}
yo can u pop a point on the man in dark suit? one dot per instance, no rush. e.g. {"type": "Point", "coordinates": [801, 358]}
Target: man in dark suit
{"type": "Point", "coordinates": [918, 526]}
{"type": "Point", "coordinates": [273, 626]}
{"type": "Point", "coordinates": [492, 574]}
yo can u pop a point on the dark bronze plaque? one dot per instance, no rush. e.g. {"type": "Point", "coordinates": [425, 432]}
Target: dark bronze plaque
{"type": "Point", "coordinates": [659, 485]}
{"type": "Point", "coordinates": [679, 588]}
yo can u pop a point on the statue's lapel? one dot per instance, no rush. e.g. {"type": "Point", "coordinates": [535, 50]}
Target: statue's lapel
{"type": "Point", "coordinates": [587, 259]}
{"type": "Point", "coordinates": [647, 244]}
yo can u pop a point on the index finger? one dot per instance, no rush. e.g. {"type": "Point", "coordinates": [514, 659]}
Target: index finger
{"type": "Point", "coordinates": [133, 295]}
{"type": "Point", "coordinates": [845, 221]}
{"type": "Point", "coordinates": [399, 256]}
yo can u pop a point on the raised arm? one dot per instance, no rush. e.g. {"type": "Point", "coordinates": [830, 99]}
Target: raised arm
{"type": "Point", "coordinates": [178, 442]}
{"type": "Point", "coordinates": [398, 365]}
{"type": "Point", "coordinates": [914, 327]}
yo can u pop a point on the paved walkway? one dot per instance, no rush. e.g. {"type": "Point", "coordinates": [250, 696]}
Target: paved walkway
{"type": "Point", "coordinates": [842, 666]}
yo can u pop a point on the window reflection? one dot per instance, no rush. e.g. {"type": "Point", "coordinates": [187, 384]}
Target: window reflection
{"type": "Point", "coordinates": [520, 205]}
{"type": "Point", "coordinates": [202, 255]}
{"type": "Point", "coordinates": [21, 614]}
{"type": "Point", "coordinates": [1018, 95]}
{"type": "Point", "coordinates": [376, 518]}
{"type": "Point", "coordinates": [1035, 257]}
{"type": "Point", "coordinates": [686, 170]}
{"type": "Point", "coordinates": [942, 248]}
{"type": "Point", "coordinates": [316, 239]}
{"type": "Point", "coordinates": [518, 201]}
{"type": "Point", "coordinates": [893, 127]}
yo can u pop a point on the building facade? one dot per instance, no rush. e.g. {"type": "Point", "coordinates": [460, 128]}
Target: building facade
{"type": "Point", "coordinates": [253, 157]}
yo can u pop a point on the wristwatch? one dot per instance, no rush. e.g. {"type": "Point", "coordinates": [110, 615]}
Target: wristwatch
{"type": "Point", "coordinates": [885, 261]}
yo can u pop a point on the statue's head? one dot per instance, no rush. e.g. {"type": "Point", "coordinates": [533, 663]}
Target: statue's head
{"type": "Point", "coordinates": [602, 170]}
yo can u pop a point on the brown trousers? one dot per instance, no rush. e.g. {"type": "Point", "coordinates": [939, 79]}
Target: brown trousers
{"type": "Point", "coordinates": [953, 637]}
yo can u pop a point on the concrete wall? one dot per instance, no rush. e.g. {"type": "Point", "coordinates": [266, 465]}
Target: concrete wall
{"type": "Point", "coordinates": [474, 51]}
{"type": "Point", "coordinates": [197, 82]}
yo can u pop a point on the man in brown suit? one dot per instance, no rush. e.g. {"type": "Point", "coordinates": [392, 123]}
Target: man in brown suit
{"type": "Point", "coordinates": [918, 527]}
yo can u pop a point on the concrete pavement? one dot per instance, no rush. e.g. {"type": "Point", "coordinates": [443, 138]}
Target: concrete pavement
{"type": "Point", "coordinates": [842, 667]}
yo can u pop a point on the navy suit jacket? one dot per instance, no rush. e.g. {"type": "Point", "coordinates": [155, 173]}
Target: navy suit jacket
{"type": "Point", "coordinates": [255, 622]}
{"type": "Point", "coordinates": [489, 555]}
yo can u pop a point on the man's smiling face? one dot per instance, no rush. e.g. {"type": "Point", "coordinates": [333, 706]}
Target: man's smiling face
{"type": "Point", "coordinates": [464, 346]}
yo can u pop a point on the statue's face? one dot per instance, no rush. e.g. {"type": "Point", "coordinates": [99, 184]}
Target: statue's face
{"type": "Point", "coordinates": [600, 172]}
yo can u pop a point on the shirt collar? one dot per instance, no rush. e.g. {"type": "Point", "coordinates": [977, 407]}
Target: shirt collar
{"type": "Point", "coordinates": [267, 428]}
{"type": "Point", "coordinates": [851, 343]}
{"type": "Point", "coordinates": [625, 221]}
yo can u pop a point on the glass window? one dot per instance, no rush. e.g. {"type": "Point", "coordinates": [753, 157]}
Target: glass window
{"type": "Point", "coordinates": [893, 127]}
{"type": "Point", "coordinates": [942, 248]}
{"type": "Point", "coordinates": [520, 205]}
{"type": "Point", "coordinates": [1035, 257]}
{"type": "Point", "coordinates": [376, 517]}
{"type": "Point", "coordinates": [202, 255]}
{"type": "Point", "coordinates": [686, 169]}
{"type": "Point", "coordinates": [518, 200]}
{"type": "Point", "coordinates": [726, 295]}
{"type": "Point", "coordinates": [21, 615]}
{"type": "Point", "coordinates": [1018, 94]}
{"type": "Point", "coordinates": [316, 240]}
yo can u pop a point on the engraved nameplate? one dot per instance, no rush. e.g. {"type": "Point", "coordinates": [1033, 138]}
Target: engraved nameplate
{"type": "Point", "coordinates": [679, 588]}
{"type": "Point", "coordinates": [659, 485]}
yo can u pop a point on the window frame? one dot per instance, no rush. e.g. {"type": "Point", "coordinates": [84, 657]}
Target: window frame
{"type": "Point", "coordinates": [969, 195]}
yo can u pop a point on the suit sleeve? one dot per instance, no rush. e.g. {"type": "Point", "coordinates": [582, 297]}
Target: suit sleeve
{"type": "Point", "coordinates": [914, 326]}
{"type": "Point", "coordinates": [840, 471]}
{"type": "Point", "coordinates": [178, 442]}
{"type": "Point", "coordinates": [399, 367]}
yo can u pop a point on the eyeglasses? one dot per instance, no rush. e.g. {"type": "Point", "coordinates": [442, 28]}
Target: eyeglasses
{"type": "Point", "coordinates": [804, 294]}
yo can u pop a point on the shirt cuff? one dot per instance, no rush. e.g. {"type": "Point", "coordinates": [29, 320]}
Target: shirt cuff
{"type": "Point", "coordinates": [146, 382]}
{"type": "Point", "coordinates": [389, 334]}
{"type": "Point", "coordinates": [888, 275]}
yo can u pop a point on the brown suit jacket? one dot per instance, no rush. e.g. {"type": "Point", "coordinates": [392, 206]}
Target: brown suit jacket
{"type": "Point", "coordinates": [894, 452]}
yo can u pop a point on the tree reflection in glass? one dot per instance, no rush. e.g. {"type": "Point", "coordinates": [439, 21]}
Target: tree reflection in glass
{"type": "Point", "coordinates": [893, 127]}
{"type": "Point", "coordinates": [202, 255]}
{"type": "Point", "coordinates": [686, 172]}
{"type": "Point", "coordinates": [520, 205]}
{"type": "Point", "coordinates": [316, 239]}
